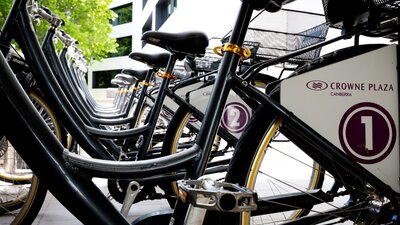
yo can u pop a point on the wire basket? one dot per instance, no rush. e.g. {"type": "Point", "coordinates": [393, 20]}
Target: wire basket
{"type": "Point", "coordinates": [209, 62]}
{"type": "Point", "coordinates": [270, 44]}
{"type": "Point", "coordinates": [271, 35]}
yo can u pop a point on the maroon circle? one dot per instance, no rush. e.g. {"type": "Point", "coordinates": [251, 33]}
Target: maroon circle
{"type": "Point", "coordinates": [352, 133]}
{"type": "Point", "coordinates": [241, 119]}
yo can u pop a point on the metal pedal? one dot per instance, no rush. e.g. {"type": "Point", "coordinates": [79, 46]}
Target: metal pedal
{"type": "Point", "coordinates": [220, 196]}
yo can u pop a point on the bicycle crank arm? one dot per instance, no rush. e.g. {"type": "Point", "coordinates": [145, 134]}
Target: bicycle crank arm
{"type": "Point", "coordinates": [131, 192]}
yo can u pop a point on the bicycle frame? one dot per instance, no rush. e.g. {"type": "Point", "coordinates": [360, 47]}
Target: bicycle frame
{"type": "Point", "coordinates": [21, 30]}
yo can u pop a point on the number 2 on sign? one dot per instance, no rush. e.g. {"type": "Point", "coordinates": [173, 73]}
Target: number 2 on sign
{"type": "Point", "coordinates": [233, 117]}
{"type": "Point", "coordinates": [367, 121]}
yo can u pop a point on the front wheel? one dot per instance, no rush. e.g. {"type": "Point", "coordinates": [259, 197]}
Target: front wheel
{"type": "Point", "coordinates": [267, 162]}
{"type": "Point", "coordinates": [19, 188]}
{"type": "Point", "coordinates": [177, 137]}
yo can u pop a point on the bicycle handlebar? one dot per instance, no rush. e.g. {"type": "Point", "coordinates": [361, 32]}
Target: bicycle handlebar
{"type": "Point", "coordinates": [44, 13]}
{"type": "Point", "coordinates": [65, 38]}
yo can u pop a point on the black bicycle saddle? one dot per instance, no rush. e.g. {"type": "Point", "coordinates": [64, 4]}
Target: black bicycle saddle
{"type": "Point", "coordinates": [127, 78]}
{"type": "Point", "coordinates": [154, 61]}
{"type": "Point", "coordinates": [182, 44]}
{"type": "Point", "coordinates": [138, 74]}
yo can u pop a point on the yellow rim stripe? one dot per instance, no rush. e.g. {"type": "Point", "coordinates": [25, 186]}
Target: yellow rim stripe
{"type": "Point", "coordinates": [257, 163]}
{"type": "Point", "coordinates": [32, 194]}
{"type": "Point", "coordinates": [175, 146]}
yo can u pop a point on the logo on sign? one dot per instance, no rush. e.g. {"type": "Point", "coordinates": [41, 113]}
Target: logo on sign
{"type": "Point", "coordinates": [367, 133]}
{"type": "Point", "coordinates": [235, 117]}
{"type": "Point", "coordinates": [317, 85]}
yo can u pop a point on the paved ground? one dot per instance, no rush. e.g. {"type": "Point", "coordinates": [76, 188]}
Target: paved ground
{"type": "Point", "coordinates": [53, 213]}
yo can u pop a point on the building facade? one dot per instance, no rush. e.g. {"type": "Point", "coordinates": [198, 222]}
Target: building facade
{"type": "Point", "coordinates": [213, 17]}
{"type": "Point", "coordinates": [138, 16]}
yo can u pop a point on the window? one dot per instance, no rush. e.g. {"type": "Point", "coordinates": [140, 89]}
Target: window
{"type": "Point", "coordinates": [147, 26]}
{"type": "Point", "coordinates": [124, 47]}
{"type": "Point", "coordinates": [144, 4]}
{"type": "Point", "coordinates": [102, 79]}
{"type": "Point", "coordinates": [124, 14]}
{"type": "Point", "coordinates": [163, 10]}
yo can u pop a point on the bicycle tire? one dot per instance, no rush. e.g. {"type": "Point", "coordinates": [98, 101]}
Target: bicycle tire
{"type": "Point", "coordinates": [250, 152]}
{"type": "Point", "coordinates": [3, 145]}
{"type": "Point", "coordinates": [170, 146]}
{"type": "Point", "coordinates": [30, 203]}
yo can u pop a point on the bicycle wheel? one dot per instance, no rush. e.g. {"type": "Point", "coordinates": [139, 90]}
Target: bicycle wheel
{"type": "Point", "coordinates": [265, 161]}
{"type": "Point", "coordinates": [3, 145]}
{"type": "Point", "coordinates": [179, 134]}
{"type": "Point", "coordinates": [20, 189]}
{"type": "Point", "coordinates": [177, 137]}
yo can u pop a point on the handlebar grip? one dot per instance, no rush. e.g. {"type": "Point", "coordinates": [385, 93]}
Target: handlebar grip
{"type": "Point", "coordinates": [47, 10]}
{"type": "Point", "coordinates": [65, 38]}
{"type": "Point", "coordinates": [51, 18]}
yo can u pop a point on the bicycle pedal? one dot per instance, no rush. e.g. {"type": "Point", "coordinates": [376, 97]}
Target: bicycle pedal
{"type": "Point", "coordinates": [219, 196]}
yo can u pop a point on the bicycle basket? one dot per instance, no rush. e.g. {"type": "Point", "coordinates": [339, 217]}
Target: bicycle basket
{"type": "Point", "coordinates": [273, 35]}
{"type": "Point", "coordinates": [209, 62]}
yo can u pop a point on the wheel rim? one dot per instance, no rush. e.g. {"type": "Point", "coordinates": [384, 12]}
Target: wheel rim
{"type": "Point", "coordinates": [262, 178]}
{"type": "Point", "coordinates": [175, 146]}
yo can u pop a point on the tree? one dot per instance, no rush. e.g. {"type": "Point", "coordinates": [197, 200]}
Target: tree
{"type": "Point", "coordinates": [87, 21]}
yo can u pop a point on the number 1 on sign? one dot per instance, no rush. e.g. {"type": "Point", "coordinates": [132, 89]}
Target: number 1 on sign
{"type": "Point", "coordinates": [367, 121]}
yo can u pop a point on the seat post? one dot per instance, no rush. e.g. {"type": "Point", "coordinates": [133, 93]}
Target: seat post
{"type": "Point", "coordinates": [155, 112]}
{"type": "Point", "coordinates": [138, 108]}
{"type": "Point", "coordinates": [164, 84]}
{"type": "Point", "coordinates": [140, 101]}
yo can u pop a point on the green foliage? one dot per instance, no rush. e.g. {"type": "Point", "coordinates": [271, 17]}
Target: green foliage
{"type": "Point", "coordinates": [85, 20]}
{"type": "Point", "coordinates": [5, 6]}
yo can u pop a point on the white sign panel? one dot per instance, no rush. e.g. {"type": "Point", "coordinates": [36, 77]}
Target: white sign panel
{"type": "Point", "coordinates": [354, 104]}
{"type": "Point", "coordinates": [236, 114]}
